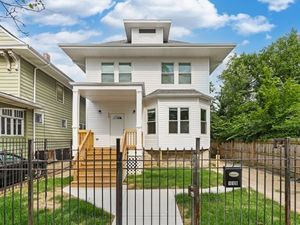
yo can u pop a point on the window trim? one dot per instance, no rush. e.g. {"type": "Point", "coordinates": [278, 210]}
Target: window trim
{"type": "Point", "coordinates": [43, 117]}
{"type": "Point", "coordinates": [179, 74]}
{"type": "Point", "coordinates": [173, 120]}
{"type": "Point", "coordinates": [203, 121]}
{"type": "Point", "coordinates": [151, 121]}
{"type": "Point", "coordinates": [63, 93]}
{"type": "Point", "coordinates": [167, 73]}
{"type": "Point", "coordinates": [180, 120]}
{"type": "Point", "coordinates": [61, 123]}
{"type": "Point", "coordinates": [113, 73]}
{"type": "Point", "coordinates": [125, 73]}
{"type": "Point", "coordinates": [14, 122]}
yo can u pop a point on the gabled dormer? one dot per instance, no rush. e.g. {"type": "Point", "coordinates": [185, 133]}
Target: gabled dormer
{"type": "Point", "coordinates": [147, 31]}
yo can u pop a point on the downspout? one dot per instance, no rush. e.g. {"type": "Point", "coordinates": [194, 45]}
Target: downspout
{"type": "Point", "coordinates": [34, 100]}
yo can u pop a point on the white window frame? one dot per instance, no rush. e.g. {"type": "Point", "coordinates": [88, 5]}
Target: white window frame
{"type": "Point", "coordinates": [120, 73]}
{"type": "Point", "coordinates": [203, 121]}
{"type": "Point", "coordinates": [182, 74]}
{"type": "Point", "coordinates": [178, 119]}
{"type": "Point", "coordinates": [168, 73]}
{"type": "Point", "coordinates": [14, 119]}
{"type": "Point", "coordinates": [43, 117]}
{"type": "Point", "coordinates": [61, 123]}
{"type": "Point", "coordinates": [151, 121]}
{"type": "Point", "coordinates": [63, 93]}
{"type": "Point", "coordinates": [102, 73]}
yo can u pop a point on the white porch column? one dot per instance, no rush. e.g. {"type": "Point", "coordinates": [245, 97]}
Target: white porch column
{"type": "Point", "coordinates": [75, 117]}
{"type": "Point", "coordinates": [139, 112]}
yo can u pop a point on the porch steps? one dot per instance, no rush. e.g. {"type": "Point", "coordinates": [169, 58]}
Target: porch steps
{"type": "Point", "coordinates": [97, 169]}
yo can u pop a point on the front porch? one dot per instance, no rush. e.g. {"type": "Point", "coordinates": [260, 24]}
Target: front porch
{"type": "Point", "coordinates": [110, 110]}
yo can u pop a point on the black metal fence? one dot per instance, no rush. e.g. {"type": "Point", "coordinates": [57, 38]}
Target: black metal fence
{"type": "Point", "coordinates": [46, 182]}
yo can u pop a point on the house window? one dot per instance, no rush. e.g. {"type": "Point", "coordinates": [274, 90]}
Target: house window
{"type": "Point", "coordinates": [167, 73]}
{"type": "Point", "coordinates": [185, 74]}
{"type": "Point", "coordinates": [124, 72]}
{"type": "Point", "coordinates": [64, 123]}
{"type": "Point", "coordinates": [203, 121]}
{"type": "Point", "coordinates": [82, 126]}
{"type": "Point", "coordinates": [39, 118]}
{"type": "Point", "coordinates": [184, 120]}
{"type": "Point", "coordinates": [173, 121]}
{"type": "Point", "coordinates": [147, 31]}
{"type": "Point", "coordinates": [11, 122]}
{"type": "Point", "coordinates": [59, 93]}
{"type": "Point", "coordinates": [107, 72]}
{"type": "Point", "coordinates": [151, 121]}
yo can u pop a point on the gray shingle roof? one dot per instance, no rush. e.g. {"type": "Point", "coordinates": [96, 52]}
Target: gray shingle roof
{"type": "Point", "coordinates": [178, 93]}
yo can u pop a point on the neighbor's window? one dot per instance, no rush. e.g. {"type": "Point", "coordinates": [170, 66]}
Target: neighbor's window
{"type": "Point", "coordinates": [203, 121]}
{"type": "Point", "coordinates": [151, 121]}
{"type": "Point", "coordinates": [107, 72]}
{"type": "Point", "coordinates": [59, 93]}
{"type": "Point", "coordinates": [173, 121]}
{"type": "Point", "coordinates": [184, 120]}
{"type": "Point", "coordinates": [11, 122]}
{"type": "Point", "coordinates": [124, 72]}
{"type": "Point", "coordinates": [39, 118]}
{"type": "Point", "coordinates": [167, 73]}
{"type": "Point", "coordinates": [64, 123]}
{"type": "Point", "coordinates": [185, 73]}
{"type": "Point", "coordinates": [147, 31]}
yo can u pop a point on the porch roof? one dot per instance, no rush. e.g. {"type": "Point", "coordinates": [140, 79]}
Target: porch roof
{"type": "Point", "coordinates": [17, 101]}
{"type": "Point", "coordinates": [179, 93]}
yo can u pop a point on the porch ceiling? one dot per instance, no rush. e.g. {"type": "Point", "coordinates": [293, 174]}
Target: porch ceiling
{"type": "Point", "coordinates": [109, 95]}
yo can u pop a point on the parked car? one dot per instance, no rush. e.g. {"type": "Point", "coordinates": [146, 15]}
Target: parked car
{"type": "Point", "coordinates": [14, 169]}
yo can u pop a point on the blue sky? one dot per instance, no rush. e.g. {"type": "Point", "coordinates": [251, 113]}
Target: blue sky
{"type": "Point", "coordinates": [251, 24]}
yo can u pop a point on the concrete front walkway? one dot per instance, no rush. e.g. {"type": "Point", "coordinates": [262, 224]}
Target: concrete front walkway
{"type": "Point", "coordinates": [140, 207]}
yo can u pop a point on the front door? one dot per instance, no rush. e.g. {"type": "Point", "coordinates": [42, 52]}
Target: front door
{"type": "Point", "coordinates": [116, 127]}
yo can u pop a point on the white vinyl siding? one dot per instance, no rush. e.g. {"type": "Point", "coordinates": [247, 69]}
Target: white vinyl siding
{"type": "Point", "coordinates": [149, 71]}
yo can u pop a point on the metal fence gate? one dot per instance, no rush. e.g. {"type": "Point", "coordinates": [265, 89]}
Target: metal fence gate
{"type": "Point", "coordinates": [46, 182]}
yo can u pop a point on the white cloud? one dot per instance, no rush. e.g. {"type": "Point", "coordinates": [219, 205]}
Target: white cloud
{"type": "Point", "coordinates": [179, 32]}
{"type": "Point", "coordinates": [67, 12]}
{"type": "Point", "coordinates": [186, 16]}
{"type": "Point", "coordinates": [277, 5]}
{"type": "Point", "coordinates": [48, 42]}
{"type": "Point", "coordinates": [194, 13]}
{"type": "Point", "coordinates": [245, 42]}
{"type": "Point", "coordinates": [115, 37]}
{"type": "Point", "coordinates": [246, 25]}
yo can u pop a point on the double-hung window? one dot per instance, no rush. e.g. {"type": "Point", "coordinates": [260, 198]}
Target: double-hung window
{"type": "Point", "coordinates": [203, 121]}
{"type": "Point", "coordinates": [185, 73]}
{"type": "Point", "coordinates": [107, 72]}
{"type": "Point", "coordinates": [11, 122]}
{"type": "Point", "coordinates": [175, 125]}
{"type": "Point", "coordinates": [184, 121]}
{"type": "Point", "coordinates": [124, 72]}
{"type": "Point", "coordinates": [60, 93]}
{"type": "Point", "coordinates": [167, 73]}
{"type": "Point", "coordinates": [151, 121]}
{"type": "Point", "coordinates": [173, 120]}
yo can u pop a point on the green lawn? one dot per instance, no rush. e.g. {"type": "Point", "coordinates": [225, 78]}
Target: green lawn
{"type": "Point", "coordinates": [238, 209]}
{"type": "Point", "coordinates": [171, 178]}
{"type": "Point", "coordinates": [60, 208]}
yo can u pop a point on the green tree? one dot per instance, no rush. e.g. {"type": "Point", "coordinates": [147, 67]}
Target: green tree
{"type": "Point", "coordinates": [260, 95]}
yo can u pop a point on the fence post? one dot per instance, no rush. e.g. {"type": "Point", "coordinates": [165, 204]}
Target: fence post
{"type": "Point", "coordinates": [30, 183]}
{"type": "Point", "coordinates": [195, 186]}
{"type": "Point", "coordinates": [119, 188]}
{"type": "Point", "coordinates": [287, 148]}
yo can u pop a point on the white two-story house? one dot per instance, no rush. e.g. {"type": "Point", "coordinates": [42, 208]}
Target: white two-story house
{"type": "Point", "coordinates": [149, 83]}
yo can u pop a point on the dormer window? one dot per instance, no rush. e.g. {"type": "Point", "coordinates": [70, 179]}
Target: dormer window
{"type": "Point", "coordinates": [147, 31]}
